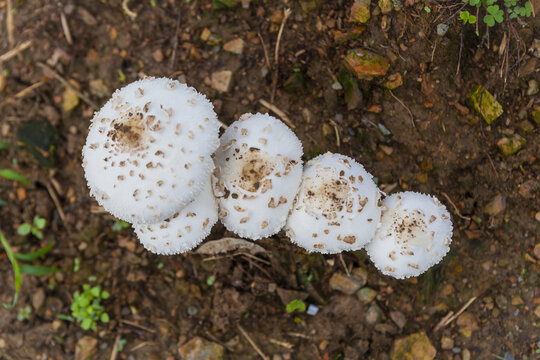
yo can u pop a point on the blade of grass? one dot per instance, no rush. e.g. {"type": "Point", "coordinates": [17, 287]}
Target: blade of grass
{"type": "Point", "coordinates": [31, 256]}
{"type": "Point", "coordinates": [38, 270]}
{"type": "Point", "coordinates": [16, 271]}
{"type": "Point", "coordinates": [12, 175]}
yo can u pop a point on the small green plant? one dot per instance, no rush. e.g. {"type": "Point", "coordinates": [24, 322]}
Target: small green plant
{"type": "Point", "coordinates": [18, 269]}
{"type": "Point", "coordinates": [24, 313]}
{"type": "Point", "coordinates": [36, 228]}
{"type": "Point", "coordinates": [494, 10]}
{"type": "Point", "coordinates": [86, 308]}
{"type": "Point", "coordinates": [296, 305]}
{"type": "Point", "coordinates": [119, 225]}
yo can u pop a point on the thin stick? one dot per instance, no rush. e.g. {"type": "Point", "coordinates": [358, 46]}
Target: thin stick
{"type": "Point", "coordinates": [278, 112]}
{"type": "Point", "coordinates": [266, 57]}
{"type": "Point", "coordinates": [405, 106]}
{"type": "Point", "coordinates": [85, 98]}
{"type": "Point", "coordinates": [11, 53]}
{"type": "Point", "coordinates": [22, 93]}
{"type": "Point", "coordinates": [455, 207]}
{"type": "Point", "coordinates": [115, 348]}
{"type": "Point", "coordinates": [260, 268]}
{"type": "Point", "coordinates": [344, 265]}
{"type": "Point", "coordinates": [448, 319]}
{"type": "Point", "coordinates": [175, 43]}
{"type": "Point", "coordinates": [281, 343]}
{"type": "Point", "coordinates": [131, 323]}
{"type": "Point", "coordinates": [9, 23]}
{"type": "Point", "coordinates": [276, 55]}
{"type": "Point", "coordinates": [65, 27]}
{"type": "Point", "coordinates": [460, 50]}
{"type": "Point", "coordinates": [252, 343]}
{"type": "Point", "coordinates": [126, 9]}
{"type": "Point", "coordinates": [54, 198]}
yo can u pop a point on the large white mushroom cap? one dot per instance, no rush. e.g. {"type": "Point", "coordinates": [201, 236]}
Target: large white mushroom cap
{"type": "Point", "coordinates": [185, 229]}
{"type": "Point", "coordinates": [258, 169]}
{"type": "Point", "coordinates": [415, 234]}
{"type": "Point", "coordinates": [149, 149]}
{"type": "Point", "coordinates": [337, 208]}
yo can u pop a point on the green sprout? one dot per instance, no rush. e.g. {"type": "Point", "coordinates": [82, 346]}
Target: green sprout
{"type": "Point", "coordinates": [86, 308]}
{"type": "Point", "coordinates": [119, 225]}
{"type": "Point", "coordinates": [35, 228]}
{"type": "Point", "coordinates": [494, 10]}
{"type": "Point", "coordinates": [294, 305]}
{"type": "Point", "coordinates": [24, 313]}
{"type": "Point", "coordinates": [18, 269]}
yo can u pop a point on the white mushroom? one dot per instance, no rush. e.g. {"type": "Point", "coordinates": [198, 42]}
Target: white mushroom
{"type": "Point", "coordinates": [149, 149]}
{"type": "Point", "coordinates": [337, 208]}
{"type": "Point", "coordinates": [415, 234]}
{"type": "Point", "coordinates": [184, 230]}
{"type": "Point", "coordinates": [258, 169]}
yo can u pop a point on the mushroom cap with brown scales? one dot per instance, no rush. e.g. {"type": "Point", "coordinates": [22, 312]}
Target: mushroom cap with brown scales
{"type": "Point", "coordinates": [149, 149]}
{"type": "Point", "coordinates": [185, 229]}
{"type": "Point", "coordinates": [337, 208]}
{"type": "Point", "coordinates": [258, 171]}
{"type": "Point", "coordinates": [415, 234]}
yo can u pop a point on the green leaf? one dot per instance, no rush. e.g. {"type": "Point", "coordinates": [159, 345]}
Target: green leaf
{"type": "Point", "coordinates": [86, 324]}
{"type": "Point", "coordinates": [38, 270]}
{"type": "Point", "coordinates": [472, 19]}
{"type": "Point", "coordinates": [95, 291]}
{"type": "Point", "coordinates": [31, 256]}
{"type": "Point", "coordinates": [295, 305]}
{"type": "Point", "coordinates": [464, 16]}
{"type": "Point", "coordinates": [475, 3]}
{"type": "Point", "coordinates": [64, 317]}
{"type": "Point", "coordinates": [24, 229]}
{"type": "Point", "coordinates": [489, 20]}
{"type": "Point", "coordinates": [211, 280]}
{"type": "Point", "coordinates": [104, 318]}
{"type": "Point", "coordinates": [40, 222]}
{"type": "Point", "coordinates": [105, 295]}
{"type": "Point", "coordinates": [427, 9]}
{"type": "Point", "coordinates": [12, 175]}
{"type": "Point", "coordinates": [3, 202]}
{"type": "Point", "coordinates": [4, 144]}
{"type": "Point", "coordinates": [528, 9]}
{"type": "Point", "coordinates": [37, 233]}
{"type": "Point", "coordinates": [16, 271]}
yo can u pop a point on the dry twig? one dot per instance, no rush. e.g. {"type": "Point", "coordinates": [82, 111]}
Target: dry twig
{"type": "Point", "coordinates": [278, 112]}
{"type": "Point", "coordinates": [115, 347]}
{"type": "Point", "coordinates": [252, 343]}
{"type": "Point", "coordinates": [131, 323]}
{"type": "Point", "coordinates": [455, 207]}
{"type": "Point", "coordinates": [21, 93]}
{"type": "Point", "coordinates": [55, 200]}
{"type": "Point", "coordinates": [126, 9]}
{"type": "Point", "coordinates": [285, 344]}
{"type": "Point", "coordinates": [276, 55]}
{"type": "Point", "coordinates": [13, 52]}
{"type": "Point", "coordinates": [59, 77]}
{"type": "Point", "coordinates": [406, 107]}
{"type": "Point", "coordinates": [65, 27]}
{"type": "Point", "coordinates": [266, 57]}
{"type": "Point", "coordinates": [451, 316]}
{"type": "Point", "coordinates": [9, 23]}
{"type": "Point", "coordinates": [175, 44]}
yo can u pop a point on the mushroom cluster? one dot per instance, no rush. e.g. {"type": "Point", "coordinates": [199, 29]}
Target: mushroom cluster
{"type": "Point", "coordinates": [149, 160]}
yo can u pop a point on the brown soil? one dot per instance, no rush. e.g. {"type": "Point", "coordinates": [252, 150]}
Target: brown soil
{"type": "Point", "coordinates": [435, 145]}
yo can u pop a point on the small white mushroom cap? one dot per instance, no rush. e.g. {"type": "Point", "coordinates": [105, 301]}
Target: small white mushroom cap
{"type": "Point", "coordinates": [415, 234]}
{"type": "Point", "coordinates": [185, 229]}
{"type": "Point", "coordinates": [258, 170]}
{"type": "Point", "coordinates": [149, 149]}
{"type": "Point", "coordinates": [337, 208]}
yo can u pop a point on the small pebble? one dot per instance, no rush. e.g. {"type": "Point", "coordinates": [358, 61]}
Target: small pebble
{"type": "Point", "coordinates": [312, 310]}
